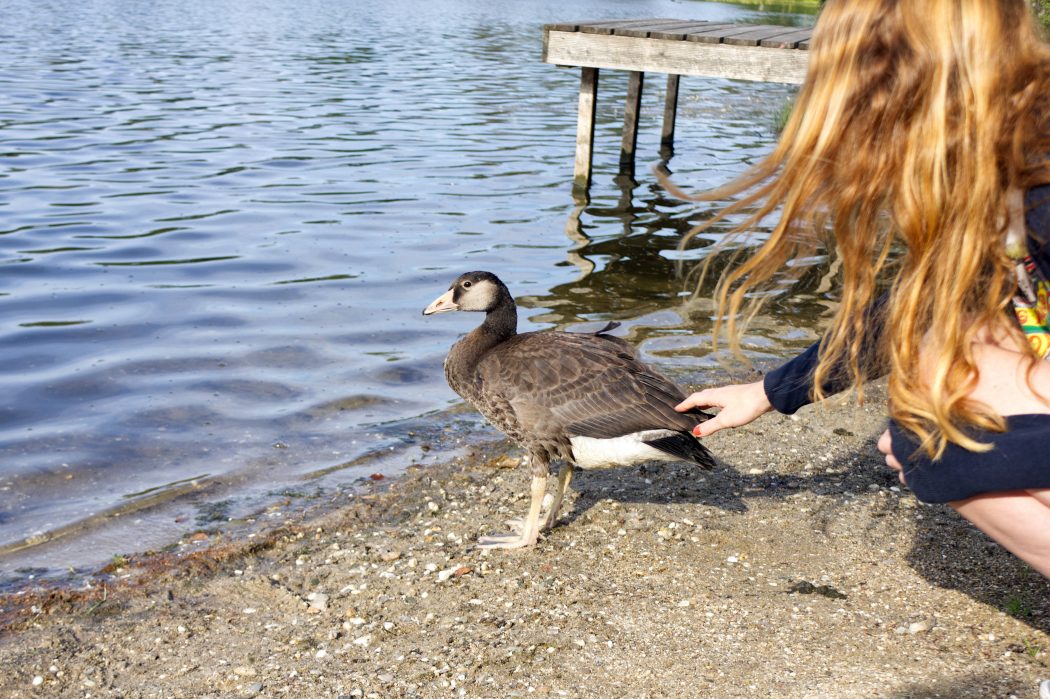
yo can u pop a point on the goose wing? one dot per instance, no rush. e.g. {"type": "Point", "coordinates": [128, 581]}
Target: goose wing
{"type": "Point", "coordinates": [576, 384]}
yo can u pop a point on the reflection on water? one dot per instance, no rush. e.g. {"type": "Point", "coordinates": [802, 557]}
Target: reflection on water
{"type": "Point", "coordinates": [219, 223]}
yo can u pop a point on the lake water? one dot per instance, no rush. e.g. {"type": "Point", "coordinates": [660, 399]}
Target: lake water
{"type": "Point", "coordinates": [220, 221]}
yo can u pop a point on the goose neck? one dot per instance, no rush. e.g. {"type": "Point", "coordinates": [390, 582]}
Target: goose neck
{"type": "Point", "coordinates": [501, 323]}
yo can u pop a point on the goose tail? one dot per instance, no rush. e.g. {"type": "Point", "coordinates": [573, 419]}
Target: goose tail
{"type": "Point", "coordinates": [684, 446]}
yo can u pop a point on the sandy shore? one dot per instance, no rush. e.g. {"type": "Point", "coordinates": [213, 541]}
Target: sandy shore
{"type": "Point", "coordinates": [796, 569]}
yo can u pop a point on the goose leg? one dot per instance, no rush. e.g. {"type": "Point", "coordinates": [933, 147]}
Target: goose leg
{"type": "Point", "coordinates": [530, 531]}
{"type": "Point", "coordinates": [564, 477]}
{"type": "Point", "coordinates": [517, 524]}
{"type": "Point", "coordinates": [551, 501]}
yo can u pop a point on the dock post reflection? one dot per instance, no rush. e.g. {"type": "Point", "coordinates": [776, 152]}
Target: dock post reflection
{"type": "Point", "coordinates": [574, 231]}
{"type": "Point", "coordinates": [625, 205]}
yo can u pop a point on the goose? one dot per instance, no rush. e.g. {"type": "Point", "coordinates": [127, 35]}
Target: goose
{"type": "Point", "coordinates": [580, 398]}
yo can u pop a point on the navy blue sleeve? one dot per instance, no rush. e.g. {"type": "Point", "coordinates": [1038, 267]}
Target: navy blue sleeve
{"type": "Point", "coordinates": [790, 386]}
{"type": "Point", "coordinates": [1037, 219]}
{"type": "Point", "coordinates": [1017, 461]}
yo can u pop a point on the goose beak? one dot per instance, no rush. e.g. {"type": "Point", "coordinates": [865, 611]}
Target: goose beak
{"type": "Point", "coordinates": [442, 304]}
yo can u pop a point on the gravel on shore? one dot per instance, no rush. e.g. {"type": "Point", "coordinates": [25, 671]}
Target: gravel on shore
{"type": "Point", "coordinates": [798, 568]}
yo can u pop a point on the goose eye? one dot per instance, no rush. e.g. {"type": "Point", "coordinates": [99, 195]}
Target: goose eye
{"type": "Point", "coordinates": [466, 285]}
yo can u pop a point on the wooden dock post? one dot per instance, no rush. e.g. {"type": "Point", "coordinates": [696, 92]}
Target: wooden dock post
{"type": "Point", "coordinates": [630, 122]}
{"type": "Point", "coordinates": [766, 53]}
{"type": "Point", "coordinates": [670, 112]}
{"type": "Point", "coordinates": [581, 179]}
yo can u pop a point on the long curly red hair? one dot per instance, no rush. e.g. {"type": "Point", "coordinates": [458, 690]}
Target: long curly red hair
{"type": "Point", "coordinates": [916, 122]}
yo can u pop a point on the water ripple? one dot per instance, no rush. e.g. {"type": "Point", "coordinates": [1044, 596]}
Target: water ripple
{"type": "Point", "coordinates": [222, 220]}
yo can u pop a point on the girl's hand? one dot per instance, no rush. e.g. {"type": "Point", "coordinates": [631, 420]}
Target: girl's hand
{"type": "Point", "coordinates": [739, 404]}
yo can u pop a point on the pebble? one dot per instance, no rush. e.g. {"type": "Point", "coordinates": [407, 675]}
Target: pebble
{"type": "Point", "coordinates": [37, 681]}
{"type": "Point", "coordinates": [318, 600]}
{"type": "Point", "coordinates": [386, 677]}
{"type": "Point", "coordinates": [323, 653]}
{"type": "Point", "coordinates": [919, 626]}
{"type": "Point", "coordinates": [363, 641]}
{"type": "Point", "coordinates": [457, 572]}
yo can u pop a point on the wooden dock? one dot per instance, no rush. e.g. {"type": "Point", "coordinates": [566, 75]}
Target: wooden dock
{"type": "Point", "coordinates": [766, 53]}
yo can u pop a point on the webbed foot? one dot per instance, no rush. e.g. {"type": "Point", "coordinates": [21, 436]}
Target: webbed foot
{"type": "Point", "coordinates": [506, 541]}
{"type": "Point", "coordinates": [527, 529]}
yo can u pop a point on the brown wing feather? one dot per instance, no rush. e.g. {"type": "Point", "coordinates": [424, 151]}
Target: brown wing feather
{"type": "Point", "coordinates": [581, 384]}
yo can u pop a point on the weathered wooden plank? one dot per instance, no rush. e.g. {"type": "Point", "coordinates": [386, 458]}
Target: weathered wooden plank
{"type": "Point", "coordinates": [646, 30]}
{"type": "Point", "coordinates": [679, 33]}
{"type": "Point", "coordinates": [787, 41]}
{"type": "Point", "coordinates": [575, 27]}
{"type": "Point", "coordinates": [670, 112]}
{"type": "Point", "coordinates": [718, 36]}
{"type": "Point", "coordinates": [630, 122]}
{"type": "Point", "coordinates": [608, 27]}
{"type": "Point", "coordinates": [676, 57]}
{"type": "Point", "coordinates": [561, 27]}
{"type": "Point", "coordinates": [703, 31]}
{"type": "Point", "coordinates": [756, 35]}
{"type": "Point", "coordinates": [581, 179]}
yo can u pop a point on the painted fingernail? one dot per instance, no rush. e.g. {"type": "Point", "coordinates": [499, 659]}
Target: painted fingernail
{"type": "Point", "coordinates": [696, 431]}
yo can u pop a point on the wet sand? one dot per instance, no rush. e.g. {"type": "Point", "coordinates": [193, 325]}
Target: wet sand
{"type": "Point", "coordinates": [798, 568]}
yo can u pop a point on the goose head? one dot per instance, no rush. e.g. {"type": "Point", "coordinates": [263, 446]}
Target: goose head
{"type": "Point", "coordinates": [473, 291]}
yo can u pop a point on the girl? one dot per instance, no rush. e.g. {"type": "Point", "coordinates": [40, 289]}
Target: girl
{"type": "Point", "coordinates": [919, 151]}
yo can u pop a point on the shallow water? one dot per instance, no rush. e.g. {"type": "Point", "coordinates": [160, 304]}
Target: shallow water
{"type": "Point", "coordinates": [219, 223]}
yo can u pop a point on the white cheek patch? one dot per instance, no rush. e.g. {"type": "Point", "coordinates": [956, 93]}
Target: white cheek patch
{"type": "Point", "coordinates": [479, 297]}
{"type": "Point", "coordinates": [487, 294]}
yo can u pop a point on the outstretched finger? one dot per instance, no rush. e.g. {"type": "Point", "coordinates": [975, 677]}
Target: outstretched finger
{"type": "Point", "coordinates": [700, 399]}
{"type": "Point", "coordinates": [708, 427]}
